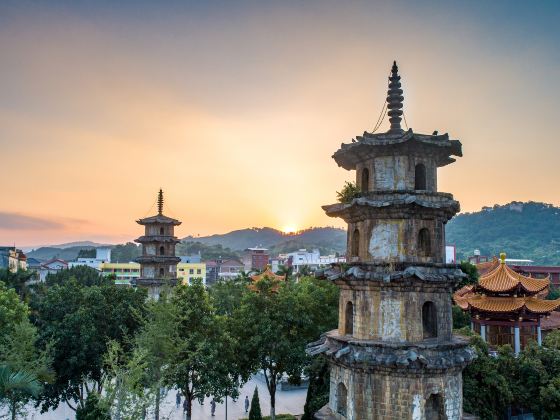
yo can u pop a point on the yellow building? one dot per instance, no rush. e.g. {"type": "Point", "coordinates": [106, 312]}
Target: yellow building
{"type": "Point", "coordinates": [125, 272]}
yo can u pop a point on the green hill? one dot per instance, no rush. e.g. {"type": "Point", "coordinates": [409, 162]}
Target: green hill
{"type": "Point", "coordinates": [522, 230]}
{"type": "Point", "coordinates": [328, 239]}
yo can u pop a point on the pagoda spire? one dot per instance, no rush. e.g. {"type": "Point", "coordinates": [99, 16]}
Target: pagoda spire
{"type": "Point", "coordinates": [395, 100]}
{"type": "Point", "coordinates": [160, 202]}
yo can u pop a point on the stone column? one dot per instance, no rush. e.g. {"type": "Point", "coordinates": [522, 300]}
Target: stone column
{"type": "Point", "coordinates": [517, 345]}
{"type": "Point", "coordinates": [472, 326]}
{"type": "Point", "coordinates": [483, 332]}
{"type": "Point", "coordinates": [539, 334]}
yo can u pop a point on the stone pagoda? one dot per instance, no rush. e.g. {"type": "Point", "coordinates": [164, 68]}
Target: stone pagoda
{"type": "Point", "coordinates": [507, 307]}
{"type": "Point", "coordinates": [158, 263]}
{"type": "Point", "coordinates": [393, 355]}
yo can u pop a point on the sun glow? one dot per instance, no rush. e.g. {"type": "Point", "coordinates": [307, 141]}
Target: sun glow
{"type": "Point", "coordinates": [289, 229]}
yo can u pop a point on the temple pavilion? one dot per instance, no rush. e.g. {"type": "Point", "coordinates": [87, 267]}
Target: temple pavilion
{"type": "Point", "coordinates": [268, 274]}
{"type": "Point", "coordinates": [507, 307]}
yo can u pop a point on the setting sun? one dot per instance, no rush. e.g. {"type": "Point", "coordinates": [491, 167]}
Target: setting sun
{"type": "Point", "coordinates": [289, 229]}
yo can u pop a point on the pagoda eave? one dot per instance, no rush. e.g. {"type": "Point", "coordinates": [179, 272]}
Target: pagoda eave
{"type": "Point", "coordinates": [370, 146]}
{"type": "Point", "coordinates": [157, 259]}
{"type": "Point", "coordinates": [434, 205]}
{"type": "Point", "coordinates": [157, 238]}
{"type": "Point", "coordinates": [378, 355]}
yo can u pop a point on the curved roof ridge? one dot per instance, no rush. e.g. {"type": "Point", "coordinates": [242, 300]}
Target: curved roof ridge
{"type": "Point", "coordinates": [503, 279]}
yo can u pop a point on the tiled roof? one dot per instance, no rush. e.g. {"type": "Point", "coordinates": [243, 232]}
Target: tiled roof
{"type": "Point", "coordinates": [485, 267]}
{"type": "Point", "coordinates": [511, 304]}
{"type": "Point", "coordinates": [268, 273]}
{"type": "Point", "coordinates": [504, 279]}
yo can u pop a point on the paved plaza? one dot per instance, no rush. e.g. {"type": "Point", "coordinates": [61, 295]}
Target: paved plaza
{"type": "Point", "coordinates": [286, 402]}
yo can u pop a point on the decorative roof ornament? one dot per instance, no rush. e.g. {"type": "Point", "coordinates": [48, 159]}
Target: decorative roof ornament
{"type": "Point", "coordinates": [395, 100]}
{"type": "Point", "coordinates": [160, 201]}
{"type": "Point", "coordinates": [503, 257]}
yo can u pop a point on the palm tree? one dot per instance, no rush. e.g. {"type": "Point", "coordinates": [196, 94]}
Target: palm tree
{"type": "Point", "coordinates": [16, 386]}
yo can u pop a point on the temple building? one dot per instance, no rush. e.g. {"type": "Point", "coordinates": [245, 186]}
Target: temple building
{"type": "Point", "coordinates": [507, 307]}
{"type": "Point", "coordinates": [158, 263]}
{"type": "Point", "coordinates": [393, 355]}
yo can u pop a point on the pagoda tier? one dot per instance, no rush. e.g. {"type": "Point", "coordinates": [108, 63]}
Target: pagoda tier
{"type": "Point", "coordinates": [158, 262]}
{"type": "Point", "coordinates": [369, 146]}
{"type": "Point", "coordinates": [506, 307]}
{"type": "Point", "coordinates": [394, 355]}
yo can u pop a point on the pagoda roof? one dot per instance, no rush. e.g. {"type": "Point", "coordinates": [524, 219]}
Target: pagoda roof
{"type": "Point", "coordinates": [158, 218]}
{"type": "Point", "coordinates": [504, 279]}
{"type": "Point", "coordinates": [370, 145]}
{"type": "Point", "coordinates": [487, 266]}
{"type": "Point", "coordinates": [268, 273]}
{"type": "Point", "coordinates": [504, 304]}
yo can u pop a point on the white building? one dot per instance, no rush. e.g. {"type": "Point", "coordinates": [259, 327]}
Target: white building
{"type": "Point", "coordinates": [302, 257]}
{"type": "Point", "coordinates": [102, 255]}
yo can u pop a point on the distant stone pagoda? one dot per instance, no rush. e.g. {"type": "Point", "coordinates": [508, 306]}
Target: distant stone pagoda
{"type": "Point", "coordinates": [158, 263]}
{"type": "Point", "coordinates": [507, 307]}
{"type": "Point", "coordinates": [393, 355]}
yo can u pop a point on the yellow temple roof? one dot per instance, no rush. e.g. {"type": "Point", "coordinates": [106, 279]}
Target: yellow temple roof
{"type": "Point", "coordinates": [504, 279]}
{"type": "Point", "coordinates": [268, 273]}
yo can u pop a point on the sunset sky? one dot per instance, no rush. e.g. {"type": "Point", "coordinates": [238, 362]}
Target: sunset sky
{"type": "Point", "coordinates": [235, 108]}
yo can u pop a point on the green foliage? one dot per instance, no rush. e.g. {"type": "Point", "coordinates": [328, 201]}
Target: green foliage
{"type": "Point", "coordinates": [202, 359]}
{"type": "Point", "coordinates": [93, 409]}
{"type": "Point", "coordinates": [17, 281]}
{"type": "Point", "coordinates": [276, 321]}
{"type": "Point", "coordinates": [348, 192]}
{"type": "Point", "coordinates": [80, 322]}
{"type": "Point", "coordinates": [460, 318]}
{"type": "Point", "coordinates": [318, 391]}
{"type": "Point", "coordinates": [125, 253]}
{"type": "Point", "coordinates": [486, 392]}
{"type": "Point", "coordinates": [471, 272]}
{"type": "Point", "coordinates": [12, 311]}
{"type": "Point", "coordinates": [255, 411]}
{"type": "Point", "coordinates": [552, 340]}
{"type": "Point", "coordinates": [16, 386]}
{"type": "Point", "coordinates": [226, 294]}
{"type": "Point", "coordinates": [82, 274]}
{"type": "Point", "coordinates": [87, 253]}
{"type": "Point", "coordinates": [533, 232]}
{"type": "Point", "coordinates": [553, 293]}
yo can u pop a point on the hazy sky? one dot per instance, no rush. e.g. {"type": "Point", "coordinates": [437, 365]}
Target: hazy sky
{"type": "Point", "coordinates": [235, 108]}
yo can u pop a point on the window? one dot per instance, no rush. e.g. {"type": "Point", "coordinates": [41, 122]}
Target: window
{"type": "Point", "coordinates": [365, 180]}
{"type": "Point", "coordinates": [161, 231]}
{"type": "Point", "coordinates": [420, 177]}
{"type": "Point", "coordinates": [341, 399]}
{"type": "Point", "coordinates": [433, 410]}
{"type": "Point", "coordinates": [349, 319]}
{"type": "Point", "coordinates": [198, 271]}
{"type": "Point", "coordinates": [161, 250]}
{"type": "Point", "coordinates": [429, 320]}
{"type": "Point", "coordinates": [355, 248]}
{"type": "Point", "coordinates": [191, 271]}
{"type": "Point", "coordinates": [161, 272]}
{"type": "Point", "coordinates": [424, 243]}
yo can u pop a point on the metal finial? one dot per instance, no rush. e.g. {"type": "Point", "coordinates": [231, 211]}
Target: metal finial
{"type": "Point", "coordinates": [395, 100]}
{"type": "Point", "coordinates": [160, 201]}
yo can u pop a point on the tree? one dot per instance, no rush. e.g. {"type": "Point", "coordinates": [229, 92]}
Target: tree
{"type": "Point", "coordinates": [17, 281]}
{"type": "Point", "coordinates": [125, 253]}
{"type": "Point", "coordinates": [255, 411]}
{"type": "Point", "coordinates": [226, 294]}
{"type": "Point", "coordinates": [203, 358]}
{"type": "Point", "coordinates": [81, 274]}
{"type": "Point", "coordinates": [93, 409]}
{"type": "Point", "coordinates": [472, 275]}
{"type": "Point", "coordinates": [318, 391]}
{"type": "Point", "coordinates": [80, 322]}
{"type": "Point", "coordinates": [552, 340]}
{"type": "Point", "coordinates": [17, 386]}
{"type": "Point", "coordinates": [486, 391]}
{"type": "Point", "coordinates": [155, 345]}
{"type": "Point", "coordinates": [23, 368]}
{"type": "Point", "coordinates": [274, 326]}
{"type": "Point", "coordinates": [460, 318]}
